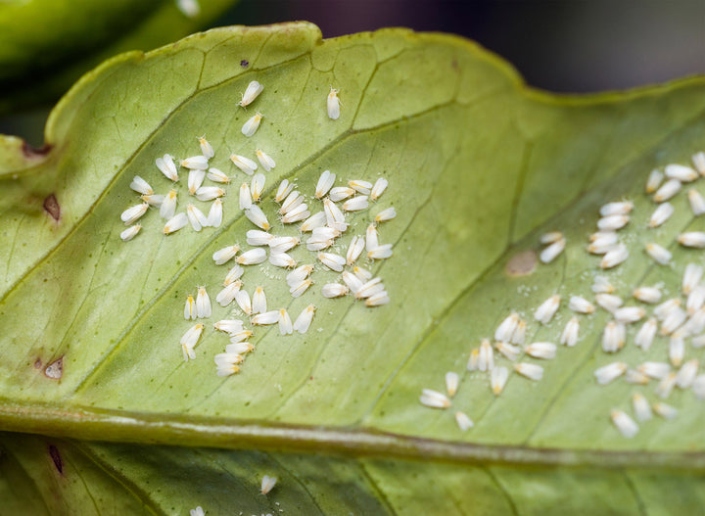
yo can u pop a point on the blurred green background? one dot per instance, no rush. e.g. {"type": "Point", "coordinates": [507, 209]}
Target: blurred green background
{"type": "Point", "coordinates": [571, 46]}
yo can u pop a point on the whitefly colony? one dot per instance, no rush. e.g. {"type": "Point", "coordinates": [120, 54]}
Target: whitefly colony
{"type": "Point", "coordinates": [675, 327]}
{"type": "Point", "coordinates": [323, 215]}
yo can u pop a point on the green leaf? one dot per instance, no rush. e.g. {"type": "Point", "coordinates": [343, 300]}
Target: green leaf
{"type": "Point", "coordinates": [478, 166]}
{"type": "Point", "coordinates": [45, 45]}
{"type": "Point", "coordinates": [51, 476]}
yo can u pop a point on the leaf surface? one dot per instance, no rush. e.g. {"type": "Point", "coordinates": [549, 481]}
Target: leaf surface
{"type": "Point", "coordinates": [478, 166]}
{"type": "Point", "coordinates": [115, 478]}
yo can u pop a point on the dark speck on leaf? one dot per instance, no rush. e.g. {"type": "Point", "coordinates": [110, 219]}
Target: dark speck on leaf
{"type": "Point", "coordinates": [32, 152]}
{"type": "Point", "coordinates": [56, 457]}
{"type": "Point", "coordinates": [51, 206]}
{"type": "Point", "coordinates": [244, 63]}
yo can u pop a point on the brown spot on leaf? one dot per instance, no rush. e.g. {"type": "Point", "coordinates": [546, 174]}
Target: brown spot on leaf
{"type": "Point", "coordinates": [38, 363]}
{"type": "Point", "coordinates": [522, 264]}
{"type": "Point", "coordinates": [32, 152]}
{"type": "Point", "coordinates": [51, 206]}
{"type": "Point", "coordinates": [56, 458]}
{"type": "Point", "coordinates": [55, 370]}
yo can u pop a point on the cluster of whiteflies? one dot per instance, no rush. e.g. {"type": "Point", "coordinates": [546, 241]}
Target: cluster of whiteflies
{"type": "Point", "coordinates": [677, 321]}
{"type": "Point", "coordinates": [509, 344]}
{"type": "Point", "coordinates": [325, 226]}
